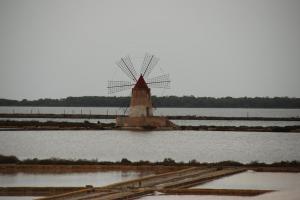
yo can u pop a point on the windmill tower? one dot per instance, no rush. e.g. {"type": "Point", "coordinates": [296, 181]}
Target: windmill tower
{"type": "Point", "coordinates": [140, 110]}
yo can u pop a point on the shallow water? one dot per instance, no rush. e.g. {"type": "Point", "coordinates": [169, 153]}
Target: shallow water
{"type": "Point", "coordinates": [287, 187]}
{"type": "Point", "coordinates": [256, 180]}
{"type": "Point", "coordinates": [204, 146]}
{"type": "Point", "coordinates": [68, 179]}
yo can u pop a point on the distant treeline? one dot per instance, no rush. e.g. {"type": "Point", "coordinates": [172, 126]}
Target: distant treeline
{"type": "Point", "coordinates": [124, 161]}
{"type": "Point", "coordinates": [167, 101]}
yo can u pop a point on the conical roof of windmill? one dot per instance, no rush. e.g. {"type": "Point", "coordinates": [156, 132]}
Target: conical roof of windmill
{"type": "Point", "coordinates": [141, 83]}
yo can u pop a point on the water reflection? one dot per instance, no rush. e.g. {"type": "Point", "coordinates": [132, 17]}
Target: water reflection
{"type": "Point", "coordinates": [68, 179]}
{"type": "Point", "coordinates": [256, 180]}
{"type": "Point", "coordinates": [204, 146]}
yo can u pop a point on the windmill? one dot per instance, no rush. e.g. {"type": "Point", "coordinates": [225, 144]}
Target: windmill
{"type": "Point", "coordinates": [140, 110]}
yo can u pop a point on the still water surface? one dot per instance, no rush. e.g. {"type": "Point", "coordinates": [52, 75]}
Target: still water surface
{"type": "Point", "coordinates": [204, 146]}
{"type": "Point", "coordinates": [67, 179]}
{"type": "Point", "coordinates": [256, 181]}
{"type": "Point", "coordinates": [286, 184]}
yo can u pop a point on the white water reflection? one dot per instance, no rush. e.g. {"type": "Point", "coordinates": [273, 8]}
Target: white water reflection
{"type": "Point", "coordinates": [287, 186]}
{"type": "Point", "coordinates": [204, 146]}
{"type": "Point", "coordinates": [256, 180]}
{"type": "Point", "coordinates": [67, 179]}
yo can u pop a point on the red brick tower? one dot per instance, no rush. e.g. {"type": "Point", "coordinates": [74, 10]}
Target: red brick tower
{"type": "Point", "coordinates": [140, 104]}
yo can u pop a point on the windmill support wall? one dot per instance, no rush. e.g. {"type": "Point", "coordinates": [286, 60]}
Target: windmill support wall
{"type": "Point", "coordinates": [140, 103]}
{"type": "Point", "coordinates": [144, 123]}
{"type": "Point", "coordinates": [140, 111]}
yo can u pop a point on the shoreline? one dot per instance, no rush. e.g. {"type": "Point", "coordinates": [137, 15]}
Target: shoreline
{"type": "Point", "coordinates": [10, 125]}
{"type": "Point", "coordinates": [170, 117]}
{"type": "Point", "coordinates": [14, 164]}
{"type": "Point", "coordinates": [156, 169]}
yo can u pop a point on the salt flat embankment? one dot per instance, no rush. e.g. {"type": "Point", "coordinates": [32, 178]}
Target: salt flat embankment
{"type": "Point", "coordinates": [9, 125]}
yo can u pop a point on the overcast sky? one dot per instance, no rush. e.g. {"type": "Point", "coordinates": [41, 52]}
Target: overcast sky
{"type": "Point", "coordinates": [61, 48]}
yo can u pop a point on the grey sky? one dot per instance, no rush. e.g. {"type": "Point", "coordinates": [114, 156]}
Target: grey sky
{"type": "Point", "coordinates": [60, 48]}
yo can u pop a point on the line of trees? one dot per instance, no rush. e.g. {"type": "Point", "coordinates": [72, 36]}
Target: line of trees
{"type": "Point", "coordinates": [124, 161]}
{"type": "Point", "coordinates": [166, 101]}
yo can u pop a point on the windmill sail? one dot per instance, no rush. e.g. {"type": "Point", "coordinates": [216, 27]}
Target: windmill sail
{"type": "Point", "coordinates": [162, 81]}
{"type": "Point", "coordinates": [148, 64]}
{"type": "Point", "coordinates": [118, 86]}
{"type": "Point", "coordinates": [126, 66]}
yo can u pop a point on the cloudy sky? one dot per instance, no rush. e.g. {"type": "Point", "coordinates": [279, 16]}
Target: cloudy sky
{"type": "Point", "coordinates": [60, 48]}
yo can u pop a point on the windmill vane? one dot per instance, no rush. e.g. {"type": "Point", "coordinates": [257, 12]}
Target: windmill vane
{"type": "Point", "coordinates": [147, 66]}
{"type": "Point", "coordinates": [118, 86]}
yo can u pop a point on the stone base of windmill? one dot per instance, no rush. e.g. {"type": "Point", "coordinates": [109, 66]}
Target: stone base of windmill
{"type": "Point", "coordinates": [145, 123]}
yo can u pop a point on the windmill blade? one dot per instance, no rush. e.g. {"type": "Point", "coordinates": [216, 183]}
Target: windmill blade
{"type": "Point", "coordinates": [118, 86]}
{"type": "Point", "coordinates": [126, 66]}
{"type": "Point", "coordinates": [127, 61]}
{"type": "Point", "coordinates": [148, 64]}
{"type": "Point", "coordinates": [162, 81]}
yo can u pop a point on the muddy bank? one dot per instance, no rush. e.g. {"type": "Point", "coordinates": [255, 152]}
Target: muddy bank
{"type": "Point", "coordinates": [178, 117]}
{"type": "Point", "coordinates": [58, 169]}
{"type": "Point", "coordinates": [50, 125]}
{"type": "Point", "coordinates": [47, 191]}
{"type": "Point", "coordinates": [9, 125]}
{"type": "Point", "coordinates": [155, 169]}
{"type": "Point", "coordinates": [295, 129]}
{"type": "Point", "coordinates": [36, 191]}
